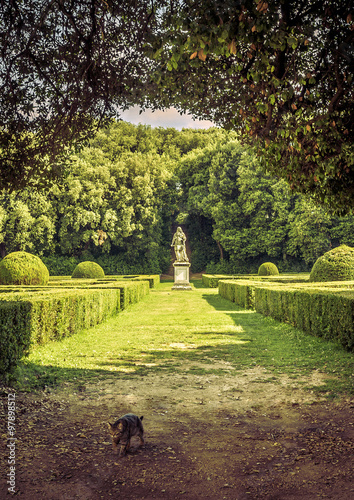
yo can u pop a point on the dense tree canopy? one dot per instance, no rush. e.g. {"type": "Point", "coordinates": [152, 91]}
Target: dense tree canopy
{"type": "Point", "coordinates": [280, 73]}
{"type": "Point", "coordinates": [64, 66]}
{"type": "Point", "coordinates": [251, 217]}
{"type": "Point", "coordinates": [126, 189]}
{"type": "Point", "coordinates": [116, 203]}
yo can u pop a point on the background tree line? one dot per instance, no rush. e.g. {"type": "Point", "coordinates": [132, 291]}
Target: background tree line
{"type": "Point", "coordinates": [279, 73]}
{"type": "Point", "coordinates": [124, 191]}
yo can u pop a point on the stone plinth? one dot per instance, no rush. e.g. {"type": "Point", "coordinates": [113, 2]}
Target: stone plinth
{"type": "Point", "coordinates": [181, 276]}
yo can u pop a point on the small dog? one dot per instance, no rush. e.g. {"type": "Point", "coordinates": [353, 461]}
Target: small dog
{"type": "Point", "coordinates": [123, 430]}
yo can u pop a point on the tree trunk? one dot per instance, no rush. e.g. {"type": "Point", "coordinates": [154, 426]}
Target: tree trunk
{"type": "Point", "coordinates": [220, 250]}
{"type": "Point", "coordinates": [2, 250]}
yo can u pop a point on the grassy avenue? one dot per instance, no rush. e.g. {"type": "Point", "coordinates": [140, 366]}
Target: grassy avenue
{"type": "Point", "coordinates": [168, 328]}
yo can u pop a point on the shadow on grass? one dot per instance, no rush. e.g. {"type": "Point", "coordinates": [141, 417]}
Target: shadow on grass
{"type": "Point", "coordinates": [250, 341]}
{"type": "Point", "coordinates": [197, 283]}
{"type": "Point", "coordinates": [31, 376]}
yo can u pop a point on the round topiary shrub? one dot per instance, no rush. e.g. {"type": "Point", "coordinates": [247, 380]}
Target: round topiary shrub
{"type": "Point", "coordinates": [88, 270]}
{"type": "Point", "coordinates": [268, 269]}
{"type": "Point", "coordinates": [335, 265]}
{"type": "Point", "coordinates": [22, 268]}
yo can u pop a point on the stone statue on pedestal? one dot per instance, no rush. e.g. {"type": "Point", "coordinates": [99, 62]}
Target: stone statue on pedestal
{"type": "Point", "coordinates": [181, 265]}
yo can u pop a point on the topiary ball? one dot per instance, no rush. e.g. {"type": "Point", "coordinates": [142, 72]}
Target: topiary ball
{"type": "Point", "coordinates": [88, 270]}
{"type": "Point", "coordinates": [335, 265]}
{"type": "Point", "coordinates": [22, 268]}
{"type": "Point", "coordinates": [268, 269]}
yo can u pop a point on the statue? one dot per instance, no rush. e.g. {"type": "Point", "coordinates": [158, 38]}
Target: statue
{"type": "Point", "coordinates": [179, 244]}
{"type": "Point", "coordinates": [181, 265]}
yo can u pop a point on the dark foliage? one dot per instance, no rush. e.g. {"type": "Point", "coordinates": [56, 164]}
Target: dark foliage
{"type": "Point", "coordinates": [65, 66]}
{"type": "Point", "coordinates": [281, 73]}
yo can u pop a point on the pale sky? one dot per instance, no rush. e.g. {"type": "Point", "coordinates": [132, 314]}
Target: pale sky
{"type": "Point", "coordinates": [166, 118]}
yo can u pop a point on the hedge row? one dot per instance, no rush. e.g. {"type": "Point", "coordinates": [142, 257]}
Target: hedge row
{"type": "Point", "coordinates": [130, 291]}
{"type": "Point", "coordinates": [326, 312]}
{"type": "Point", "coordinates": [323, 313]}
{"type": "Point", "coordinates": [36, 315]}
{"type": "Point", "coordinates": [241, 292]}
{"type": "Point", "coordinates": [212, 280]}
{"type": "Point", "coordinates": [152, 279]}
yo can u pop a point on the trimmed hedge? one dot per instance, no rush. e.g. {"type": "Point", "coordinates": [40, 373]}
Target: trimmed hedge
{"type": "Point", "coordinates": [22, 268]}
{"type": "Point", "coordinates": [36, 315]}
{"type": "Point", "coordinates": [15, 333]}
{"type": "Point", "coordinates": [130, 291]}
{"type": "Point", "coordinates": [241, 292]}
{"type": "Point", "coordinates": [326, 312]}
{"type": "Point", "coordinates": [27, 319]}
{"type": "Point", "coordinates": [268, 269]}
{"type": "Point", "coordinates": [335, 265]}
{"type": "Point", "coordinates": [212, 280]}
{"type": "Point", "coordinates": [153, 279]}
{"type": "Point", "coordinates": [88, 269]}
{"type": "Point", "coordinates": [323, 313]}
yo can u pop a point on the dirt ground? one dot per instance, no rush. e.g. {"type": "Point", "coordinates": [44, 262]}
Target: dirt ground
{"type": "Point", "coordinates": [238, 436]}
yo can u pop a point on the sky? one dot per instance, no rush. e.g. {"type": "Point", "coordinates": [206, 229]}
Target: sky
{"type": "Point", "coordinates": [166, 118]}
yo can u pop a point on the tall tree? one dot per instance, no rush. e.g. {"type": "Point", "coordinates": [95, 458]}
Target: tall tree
{"type": "Point", "coordinates": [253, 216]}
{"type": "Point", "coordinates": [281, 73]}
{"type": "Point", "coordinates": [64, 67]}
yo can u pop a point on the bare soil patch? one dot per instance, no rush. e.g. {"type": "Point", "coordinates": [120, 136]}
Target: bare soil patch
{"type": "Point", "coordinates": [246, 435]}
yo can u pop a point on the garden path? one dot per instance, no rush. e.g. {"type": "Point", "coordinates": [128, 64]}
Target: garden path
{"type": "Point", "coordinates": [221, 421]}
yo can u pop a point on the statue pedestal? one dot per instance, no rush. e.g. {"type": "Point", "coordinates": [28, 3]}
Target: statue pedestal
{"type": "Point", "coordinates": [181, 276]}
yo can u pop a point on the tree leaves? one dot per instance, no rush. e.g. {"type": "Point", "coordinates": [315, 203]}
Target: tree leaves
{"type": "Point", "coordinates": [281, 67]}
{"type": "Point", "coordinates": [254, 215]}
{"type": "Point", "coordinates": [284, 64]}
{"type": "Point", "coordinates": [64, 68]}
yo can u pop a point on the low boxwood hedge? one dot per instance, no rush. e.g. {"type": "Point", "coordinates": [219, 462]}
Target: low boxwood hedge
{"type": "Point", "coordinates": [212, 280]}
{"type": "Point", "coordinates": [153, 279]}
{"type": "Point", "coordinates": [326, 312]}
{"type": "Point", "coordinates": [36, 315]}
{"type": "Point", "coordinates": [36, 318]}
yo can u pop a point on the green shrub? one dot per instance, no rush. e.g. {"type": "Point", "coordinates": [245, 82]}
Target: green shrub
{"type": "Point", "coordinates": [88, 270]}
{"type": "Point", "coordinates": [335, 265]}
{"type": "Point", "coordinates": [323, 313]}
{"type": "Point", "coordinates": [268, 269]}
{"type": "Point", "coordinates": [22, 268]}
{"type": "Point", "coordinates": [29, 318]}
{"type": "Point", "coordinates": [241, 292]}
{"type": "Point", "coordinates": [210, 281]}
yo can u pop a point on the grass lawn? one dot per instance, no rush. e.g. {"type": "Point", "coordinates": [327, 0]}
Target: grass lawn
{"type": "Point", "coordinates": [168, 328]}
